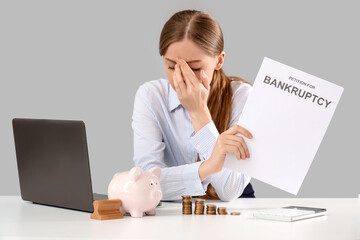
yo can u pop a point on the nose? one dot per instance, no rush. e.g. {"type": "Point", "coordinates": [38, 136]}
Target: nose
{"type": "Point", "coordinates": [158, 194]}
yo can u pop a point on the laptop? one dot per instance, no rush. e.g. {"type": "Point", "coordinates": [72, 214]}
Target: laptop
{"type": "Point", "coordinates": [53, 163]}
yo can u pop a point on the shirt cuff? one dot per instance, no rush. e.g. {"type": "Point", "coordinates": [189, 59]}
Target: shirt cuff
{"type": "Point", "coordinates": [191, 179]}
{"type": "Point", "coordinates": [206, 182]}
{"type": "Point", "coordinates": [204, 140]}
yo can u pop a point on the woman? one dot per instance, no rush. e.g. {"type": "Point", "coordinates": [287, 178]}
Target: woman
{"type": "Point", "coordinates": [176, 122]}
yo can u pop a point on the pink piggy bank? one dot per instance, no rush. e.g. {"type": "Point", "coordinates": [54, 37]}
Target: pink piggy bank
{"type": "Point", "coordinates": [138, 191]}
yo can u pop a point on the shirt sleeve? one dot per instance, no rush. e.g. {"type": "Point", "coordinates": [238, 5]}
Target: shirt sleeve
{"type": "Point", "coordinates": [149, 146]}
{"type": "Point", "coordinates": [228, 184]}
{"type": "Point", "coordinates": [204, 140]}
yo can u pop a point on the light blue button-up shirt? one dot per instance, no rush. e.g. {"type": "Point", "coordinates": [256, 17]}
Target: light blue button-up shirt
{"type": "Point", "coordinates": [164, 137]}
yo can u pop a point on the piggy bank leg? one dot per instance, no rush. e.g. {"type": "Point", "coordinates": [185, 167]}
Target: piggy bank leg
{"type": "Point", "coordinates": [136, 214]}
{"type": "Point", "coordinates": [150, 212]}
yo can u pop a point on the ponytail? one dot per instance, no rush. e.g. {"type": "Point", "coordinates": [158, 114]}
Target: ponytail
{"type": "Point", "coordinates": [219, 104]}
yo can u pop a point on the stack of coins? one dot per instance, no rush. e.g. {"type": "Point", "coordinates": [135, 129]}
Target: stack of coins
{"type": "Point", "coordinates": [187, 205]}
{"type": "Point", "coordinates": [211, 209]}
{"type": "Point", "coordinates": [199, 206]}
{"type": "Point", "coordinates": [222, 211]}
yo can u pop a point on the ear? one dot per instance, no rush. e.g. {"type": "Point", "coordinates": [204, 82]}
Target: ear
{"type": "Point", "coordinates": [220, 60]}
{"type": "Point", "coordinates": [156, 171]}
{"type": "Point", "coordinates": [135, 173]}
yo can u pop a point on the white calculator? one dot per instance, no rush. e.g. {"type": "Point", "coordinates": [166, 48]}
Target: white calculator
{"type": "Point", "coordinates": [290, 213]}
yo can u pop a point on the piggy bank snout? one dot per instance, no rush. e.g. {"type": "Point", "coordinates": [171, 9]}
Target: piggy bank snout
{"type": "Point", "coordinates": [157, 195]}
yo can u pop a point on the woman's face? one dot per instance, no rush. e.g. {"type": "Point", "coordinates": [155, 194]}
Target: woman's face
{"type": "Point", "coordinates": [195, 57]}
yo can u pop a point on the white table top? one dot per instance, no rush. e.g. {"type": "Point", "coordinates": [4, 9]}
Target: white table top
{"type": "Point", "coordinates": [20, 220]}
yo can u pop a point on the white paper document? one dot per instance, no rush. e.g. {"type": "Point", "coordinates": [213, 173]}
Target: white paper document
{"type": "Point", "coordinates": [287, 112]}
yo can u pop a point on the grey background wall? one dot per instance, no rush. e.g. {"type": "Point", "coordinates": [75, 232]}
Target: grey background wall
{"type": "Point", "coordinates": [85, 60]}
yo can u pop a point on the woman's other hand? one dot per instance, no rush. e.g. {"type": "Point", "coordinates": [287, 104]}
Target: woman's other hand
{"type": "Point", "coordinates": [227, 142]}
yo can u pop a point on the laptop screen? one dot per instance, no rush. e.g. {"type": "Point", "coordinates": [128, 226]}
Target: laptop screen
{"type": "Point", "coordinates": [53, 162]}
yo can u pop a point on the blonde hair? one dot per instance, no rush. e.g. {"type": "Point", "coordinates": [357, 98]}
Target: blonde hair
{"type": "Point", "coordinates": [201, 28]}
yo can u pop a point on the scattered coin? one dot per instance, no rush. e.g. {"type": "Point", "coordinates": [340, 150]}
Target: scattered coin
{"type": "Point", "coordinates": [235, 213]}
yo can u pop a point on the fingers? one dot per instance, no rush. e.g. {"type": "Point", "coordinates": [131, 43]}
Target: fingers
{"type": "Point", "coordinates": [176, 86]}
{"type": "Point", "coordinates": [239, 129]}
{"type": "Point", "coordinates": [235, 148]}
{"type": "Point", "coordinates": [178, 79]}
{"type": "Point", "coordinates": [205, 80]}
{"type": "Point", "coordinates": [189, 75]}
{"type": "Point", "coordinates": [241, 142]}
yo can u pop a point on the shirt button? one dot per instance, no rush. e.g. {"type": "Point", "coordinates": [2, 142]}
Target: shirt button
{"type": "Point", "coordinates": [197, 146]}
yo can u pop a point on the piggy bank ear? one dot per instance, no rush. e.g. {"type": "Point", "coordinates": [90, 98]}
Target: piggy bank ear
{"type": "Point", "coordinates": [135, 173]}
{"type": "Point", "coordinates": [156, 171]}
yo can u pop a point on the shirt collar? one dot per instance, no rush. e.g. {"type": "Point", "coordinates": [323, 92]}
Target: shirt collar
{"type": "Point", "coordinates": [174, 101]}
